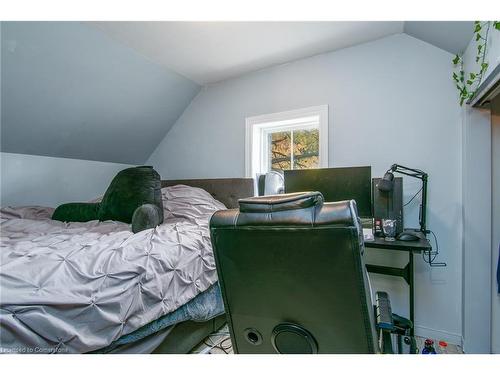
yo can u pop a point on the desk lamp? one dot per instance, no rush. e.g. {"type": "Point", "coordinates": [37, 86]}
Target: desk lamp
{"type": "Point", "coordinates": [387, 184]}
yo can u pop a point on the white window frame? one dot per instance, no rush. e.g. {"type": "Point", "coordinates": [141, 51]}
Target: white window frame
{"type": "Point", "coordinates": [258, 127]}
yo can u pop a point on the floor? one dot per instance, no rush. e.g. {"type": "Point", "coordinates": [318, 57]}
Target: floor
{"type": "Point", "coordinates": [220, 343]}
{"type": "Point", "coordinates": [448, 349]}
{"type": "Point", "coordinates": [217, 343]}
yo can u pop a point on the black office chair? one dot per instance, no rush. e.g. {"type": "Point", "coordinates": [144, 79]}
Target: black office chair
{"type": "Point", "coordinates": [293, 279]}
{"type": "Point", "coordinates": [271, 183]}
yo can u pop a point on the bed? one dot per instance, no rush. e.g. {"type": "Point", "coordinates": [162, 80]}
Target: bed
{"type": "Point", "coordinates": [156, 296]}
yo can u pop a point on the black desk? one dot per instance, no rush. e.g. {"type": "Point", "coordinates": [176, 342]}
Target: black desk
{"type": "Point", "coordinates": [407, 272]}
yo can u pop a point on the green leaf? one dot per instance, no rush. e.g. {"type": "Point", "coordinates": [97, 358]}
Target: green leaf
{"type": "Point", "coordinates": [469, 82]}
{"type": "Point", "coordinates": [456, 60]}
{"type": "Point", "coordinates": [477, 59]}
{"type": "Point", "coordinates": [477, 28]}
{"type": "Point", "coordinates": [473, 75]}
{"type": "Point", "coordinates": [496, 24]}
{"type": "Point", "coordinates": [478, 36]}
{"type": "Point", "coordinates": [479, 47]}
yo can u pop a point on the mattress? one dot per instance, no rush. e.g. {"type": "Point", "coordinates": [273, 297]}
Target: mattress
{"type": "Point", "coordinates": [204, 307]}
{"type": "Point", "coordinates": [80, 287]}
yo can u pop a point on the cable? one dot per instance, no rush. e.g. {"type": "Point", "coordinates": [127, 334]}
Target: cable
{"type": "Point", "coordinates": [434, 254]}
{"type": "Point", "coordinates": [412, 198]}
{"type": "Point", "coordinates": [228, 346]}
{"type": "Point", "coordinates": [225, 344]}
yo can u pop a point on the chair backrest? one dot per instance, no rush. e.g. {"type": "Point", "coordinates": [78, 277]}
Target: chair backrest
{"type": "Point", "coordinates": [270, 183]}
{"type": "Point", "coordinates": [292, 275]}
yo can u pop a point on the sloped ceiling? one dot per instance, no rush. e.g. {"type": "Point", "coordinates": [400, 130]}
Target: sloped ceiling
{"type": "Point", "coordinates": [207, 52]}
{"type": "Point", "coordinates": [452, 36]}
{"type": "Point", "coordinates": [69, 90]}
{"type": "Point", "coordinates": [110, 91]}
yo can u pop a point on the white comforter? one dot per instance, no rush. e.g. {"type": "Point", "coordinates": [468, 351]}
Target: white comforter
{"type": "Point", "coordinates": [76, 287]}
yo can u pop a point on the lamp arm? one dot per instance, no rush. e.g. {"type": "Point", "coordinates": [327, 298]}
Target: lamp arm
{"type": "Point", "coordinates": [423, 206]}
{"type": "Point", "coordinates": [417, 173]}
{"type": "Point", "coordinates": [406, 170]}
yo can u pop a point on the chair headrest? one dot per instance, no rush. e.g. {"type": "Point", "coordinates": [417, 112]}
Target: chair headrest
{"type": "Point", "coordinates": [281, 202]}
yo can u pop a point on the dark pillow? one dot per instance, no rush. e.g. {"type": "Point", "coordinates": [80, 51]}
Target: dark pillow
{"type": "Point", "coordinates": [145, 217]}
{"type": "Point", "coordinates": [129, 190]}
{"type": "Point", "coordinates": [76, 212]}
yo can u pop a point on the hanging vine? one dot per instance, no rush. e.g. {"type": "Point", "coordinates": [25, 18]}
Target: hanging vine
{"type": "Point", "coordinates": [467, 86]}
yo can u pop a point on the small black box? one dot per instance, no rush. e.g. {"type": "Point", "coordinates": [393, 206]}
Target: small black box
{"type": "Point", "coordinates": [388, 204]}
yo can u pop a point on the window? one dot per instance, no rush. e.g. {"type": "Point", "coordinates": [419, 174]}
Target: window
{"type": "Point", "coordinates": [287, 140]}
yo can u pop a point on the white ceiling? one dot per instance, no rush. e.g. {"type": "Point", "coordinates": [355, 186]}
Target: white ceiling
{"type": "Point", "coordinates": [207, 52]}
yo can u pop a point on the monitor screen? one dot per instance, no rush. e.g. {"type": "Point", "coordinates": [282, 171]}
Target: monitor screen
{"type": "Point", "coordinates": [336, 184]}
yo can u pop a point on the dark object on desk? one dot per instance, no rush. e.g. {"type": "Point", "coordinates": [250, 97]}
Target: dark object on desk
{"type": "Point", "coordinates": [387, 204]}
{"type": "Point", "coordinates": [408, 236]}
{"type": "Point", "coordinates": [387, 184]}
{"type": "Point", "coordinates": [311, 248]}
{"type": "Point", "coordinates": [336, 184]}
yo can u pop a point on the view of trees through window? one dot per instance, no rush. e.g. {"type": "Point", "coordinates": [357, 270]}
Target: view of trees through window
{"type": "Point", "coordinates": [294, 149]}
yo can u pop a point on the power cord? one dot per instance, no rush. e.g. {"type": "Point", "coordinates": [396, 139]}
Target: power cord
{"type": "Point", "coordinates": [225, 344]}
{"type": "Point", "coordinates": [412, 198]}
{"type": "Point", "coordinates": [433, 254]}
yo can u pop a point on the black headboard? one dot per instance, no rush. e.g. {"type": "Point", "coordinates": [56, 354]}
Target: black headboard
{"type": "Point", "coordinates": [225, 190]}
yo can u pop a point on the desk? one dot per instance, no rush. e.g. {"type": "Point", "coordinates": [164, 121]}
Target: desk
{"type": "Point", "coordinates": [407, 272]}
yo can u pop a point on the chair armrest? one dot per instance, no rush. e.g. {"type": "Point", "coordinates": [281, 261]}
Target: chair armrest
{"type": "Point", "coordinates": [385, 322]}
{"type": "Point", "coordinates": [383, 312]}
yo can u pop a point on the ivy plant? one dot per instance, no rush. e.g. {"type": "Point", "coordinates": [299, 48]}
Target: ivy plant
{"type": "Point", "coordinates": [467, 85]}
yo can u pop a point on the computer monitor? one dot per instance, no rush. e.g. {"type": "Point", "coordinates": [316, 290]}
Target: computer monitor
{"type": "Point", "coordinates": [336, 184]}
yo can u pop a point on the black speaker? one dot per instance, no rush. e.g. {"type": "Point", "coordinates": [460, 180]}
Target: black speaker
{"type": "Point", "coordinates": [388, 204]}
{"type": "Point", "coordinates": [289, 338]}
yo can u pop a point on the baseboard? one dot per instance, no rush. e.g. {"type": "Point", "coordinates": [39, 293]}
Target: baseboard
{"type": "Point", "coordinates": [437, 334]}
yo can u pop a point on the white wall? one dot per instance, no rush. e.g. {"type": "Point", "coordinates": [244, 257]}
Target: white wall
{"type": "Point", "coordinates": [478, 293]}
{"type": "Point", "coordinates": [48, 181]}
{"type": "Point", "coordinates": [391, 100]}
{"type": "Point", "coordinates": [495, 224]}
{"type": "Point", "coordinates": [476, 200]}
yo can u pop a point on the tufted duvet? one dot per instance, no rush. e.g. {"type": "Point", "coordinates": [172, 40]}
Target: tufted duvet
{"type": "Point", "coordinates": [77, 287]}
